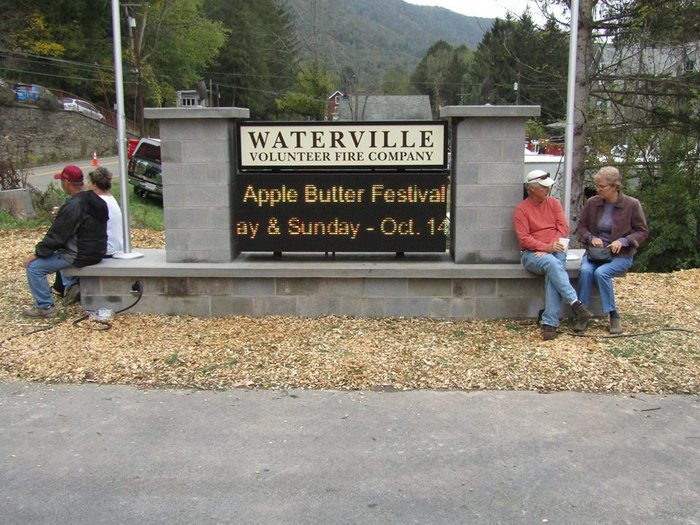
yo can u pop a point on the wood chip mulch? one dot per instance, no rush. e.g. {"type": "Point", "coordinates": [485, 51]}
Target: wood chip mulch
{"type": "Point", "coordinates": [659, 352]}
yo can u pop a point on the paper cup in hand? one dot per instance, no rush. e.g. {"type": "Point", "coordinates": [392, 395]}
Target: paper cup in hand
{"type": "Point", "coordinates": [564, 241]}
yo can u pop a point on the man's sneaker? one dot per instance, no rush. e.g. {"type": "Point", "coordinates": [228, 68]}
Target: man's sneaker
{"type": "Point", "coordinates": [72, 295]}
{"type": "Point", "coordinates": [615, 324]}
{"type": "Point", "coordinates": [40, 313]}
{"type": "Point", "coordinates": [581, 326]}
{"type": "Point", "coordinates": [549, 332]}
{"type": "Point", "coordinates": [581, 312]}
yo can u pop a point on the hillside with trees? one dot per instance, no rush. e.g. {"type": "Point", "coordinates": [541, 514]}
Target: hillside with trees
{"type": "Point", "coordinates": [368, 38]}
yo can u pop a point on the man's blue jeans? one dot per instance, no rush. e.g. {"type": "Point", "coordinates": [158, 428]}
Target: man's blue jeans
{"type": "Point", "coordinates": [37, 271]}
{"type": "Point", "coordinates": [556, 282]}
{"type": "Point", "coordinates": [602, 275]}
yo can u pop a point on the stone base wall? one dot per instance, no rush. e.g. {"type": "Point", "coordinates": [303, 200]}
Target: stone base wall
{"type": "Point", "coordinates": [431, 287]}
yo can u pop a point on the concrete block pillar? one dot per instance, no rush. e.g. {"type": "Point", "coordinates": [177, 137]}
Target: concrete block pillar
{"type": "Point", "coordinates": [488, 144]}
{"type": "Point", "coordinates": [198, 165]}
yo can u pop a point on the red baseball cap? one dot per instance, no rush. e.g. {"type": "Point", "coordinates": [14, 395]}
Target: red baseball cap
{"type": "Point", "coordinates": [71, 174]}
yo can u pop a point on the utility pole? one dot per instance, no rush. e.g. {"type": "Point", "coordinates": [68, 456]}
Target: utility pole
{"type": "Point", "coordinates": [135, 32]}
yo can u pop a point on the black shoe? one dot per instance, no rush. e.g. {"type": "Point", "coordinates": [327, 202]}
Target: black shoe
{"type": "Point", "coordinates": [549, 332]}
{"type": "Point", "coordinates": [581, 312]}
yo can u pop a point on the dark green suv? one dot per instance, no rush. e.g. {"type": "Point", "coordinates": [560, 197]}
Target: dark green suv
{"type": "Point", "coordinates": [144, 168]}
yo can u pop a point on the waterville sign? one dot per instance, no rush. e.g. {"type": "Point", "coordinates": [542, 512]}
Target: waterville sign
{"type": "Point", "coordinates": [379, 187]}
{"type": "Point", "coordinates": [394, 145]}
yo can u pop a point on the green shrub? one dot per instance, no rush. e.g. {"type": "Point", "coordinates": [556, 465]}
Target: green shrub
{"type": "Point", "coordinates": [45, 201]}
{"type": "Point", "coordinates": [671, 200]}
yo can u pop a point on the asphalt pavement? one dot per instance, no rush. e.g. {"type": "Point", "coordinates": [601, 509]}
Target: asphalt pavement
{"type": "Point", "coordinates": [90, 454]}
{"type": "Point", "coordinates": [41, 176]}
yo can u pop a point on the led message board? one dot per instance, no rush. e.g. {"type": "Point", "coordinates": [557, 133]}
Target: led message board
{"type": "Point", "coordinates": [341, 212]}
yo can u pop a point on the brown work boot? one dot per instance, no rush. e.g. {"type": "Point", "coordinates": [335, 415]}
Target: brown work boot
{"type": "Point", "coordinates": [549, 332]}
{"type": "Point", "coordinates": [72, 295]}
{"type": "Point", "coordinates": [581, 311]}
{"type": "Point", "coordinates": [581, 326]}
{"type": "Point", "coordinates": [40, 313]}
{"type": "Point", "coordinates": [615, 324]}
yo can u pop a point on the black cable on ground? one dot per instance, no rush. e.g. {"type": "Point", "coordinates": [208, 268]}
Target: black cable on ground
{"type": "Point", "coordinates": [36, 331]}
{"type": "Point", "coordinates": [105, 325]}
{"type": "Point", "coordinates": [633, 334]}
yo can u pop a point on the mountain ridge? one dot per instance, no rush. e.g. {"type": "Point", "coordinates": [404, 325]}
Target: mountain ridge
{"type": "Point", "coordinates": [370, 37]}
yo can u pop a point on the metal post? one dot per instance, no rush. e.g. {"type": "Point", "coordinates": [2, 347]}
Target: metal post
{"type": "Point", "coordinates": [121, 134]}
{"type": "Point", "coordinates": [570, 97]}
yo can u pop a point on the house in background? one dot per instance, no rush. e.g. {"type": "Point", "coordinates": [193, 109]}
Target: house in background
{"type": "Point", "coordinates": [333, 105]}
{"type": "Point", "coordinates": [632, 66]}
{"type": "Point", "coordinates": [376, 106]}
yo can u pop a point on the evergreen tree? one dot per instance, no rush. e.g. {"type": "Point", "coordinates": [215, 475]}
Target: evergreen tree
{"type": "Point", "coordinates": [518, 63]}
{"type": "Point", "coordinates": [259, 61]}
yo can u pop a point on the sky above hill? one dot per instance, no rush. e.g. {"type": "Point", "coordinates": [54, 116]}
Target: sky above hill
{"type": "Point", "coordinates": [484, 8]}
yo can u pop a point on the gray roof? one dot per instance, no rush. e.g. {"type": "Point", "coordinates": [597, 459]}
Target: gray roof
{"type": "Point", "coordinates": [385, 107]}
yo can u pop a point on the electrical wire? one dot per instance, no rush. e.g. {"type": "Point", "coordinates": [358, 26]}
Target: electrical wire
{"type": "Point", "coordinates": [632, 334]}
{"type": "Point", "coordinates": [105, 325]}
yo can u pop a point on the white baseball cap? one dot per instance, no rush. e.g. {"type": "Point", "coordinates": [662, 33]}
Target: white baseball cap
{"type": "Point", "coordinates": [540, 177]}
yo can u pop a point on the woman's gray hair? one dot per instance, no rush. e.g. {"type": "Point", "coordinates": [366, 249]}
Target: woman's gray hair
{"type": "Point", "coordinates": [101, 177]}
{"type": "Point", "coordinates": [610, 175]}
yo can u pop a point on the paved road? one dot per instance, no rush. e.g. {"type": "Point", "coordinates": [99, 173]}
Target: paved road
{"type": "Point", "coordinates": [114, 454]}
{"type": "Point", "coordinates": [41, 176]}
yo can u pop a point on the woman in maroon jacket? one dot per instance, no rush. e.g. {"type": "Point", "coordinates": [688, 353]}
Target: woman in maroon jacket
{"type": "Point", "coordinates": [614, 220]}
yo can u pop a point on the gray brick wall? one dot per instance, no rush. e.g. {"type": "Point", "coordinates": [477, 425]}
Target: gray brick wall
{"type": "Point", "coordinates": [197, 153]}
{"type": "Point", "coordinates": [249, 287]}
{"type": "Point", "coordinates": [487, 152]}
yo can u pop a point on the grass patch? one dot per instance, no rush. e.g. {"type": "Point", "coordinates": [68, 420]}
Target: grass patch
{"type": "Point", "coordinates": [10, 222]}
{"type": "Point", "coordinates": [173, 360]}
{"type": "Point", "coordinates": [144, 213]}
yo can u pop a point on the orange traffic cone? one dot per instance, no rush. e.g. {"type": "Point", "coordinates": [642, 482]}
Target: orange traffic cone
{"type": "Point", "coordinates": [94, 158]}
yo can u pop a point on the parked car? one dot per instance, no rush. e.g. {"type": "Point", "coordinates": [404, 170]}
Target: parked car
{"type": "Point", "coordinates": [82, 106]}
{"type": "Point", "coordinates": [28, 93]}
{"type": "Point", "coordinates": [36, 95]}
{"type": "Point", "coordinates": [144, 170]}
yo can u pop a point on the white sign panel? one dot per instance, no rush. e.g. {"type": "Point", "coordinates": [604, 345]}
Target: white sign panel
{"type": "Point", "coordinates": [332, 145]}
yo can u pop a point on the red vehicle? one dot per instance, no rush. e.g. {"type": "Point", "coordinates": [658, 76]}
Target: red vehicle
{"type": "Point", "coordinates": [132, 146]}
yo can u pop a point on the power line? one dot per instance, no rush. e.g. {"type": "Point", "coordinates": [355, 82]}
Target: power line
{"type": "Point", "coordinates": [29, 57]}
